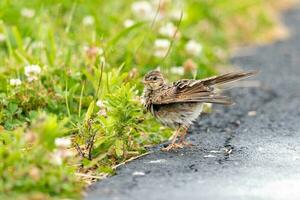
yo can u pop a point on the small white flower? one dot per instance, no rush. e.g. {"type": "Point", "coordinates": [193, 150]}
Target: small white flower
{"type": "Point", "coordinates": [68, 153]}
{"type": "Point", "coordinates": [128, 23]}
{"type": "Point", "coordinates": [169, 30]}
{"type": "Point", "coordinates": [162, 43]}
{"type": "Point", "coordinates": [56, 158]}
{"type": "Point", "coordinates": [100, 51]}
{"type": "Point", "coordinates": [88, 20]}
{"type": "Point", "coordinates": [93, 51]}
{"type": "Point", "coordinates": [179, 70]}
{"type": "Point", "coordinates": [143, 10]}
{"type": "Point", "coordinates": [32, 72]}
{"type": "Point", "coordinates": [32, 69]}
{"type": "Point", "coordinates": [100, 104]}
{"type": "Point", "coordinates": [27, 12]}
{"type": "Point", "coordinates": [32, 78]}
{"type": "Point", "coordinates": [176, 15]}
{"type": "Point", "coordinates": [193, 48]}
{"type": "Point", "coordinates": [161, 47]}
{"type": "Point", "coordinates": [2, 37]}
{"type": "Point", "coordinates": [59, 155]}
{"type": "Point", "coordinates": [15, 82]}
{"type": "Point", "coordinates": [102, 60]}
{"type": "Point", "coordinates": [102, 112]}
{"type": "Point", "coordinates": [37, 45]}
{"type": "Point", "coordinates": [63, 142]}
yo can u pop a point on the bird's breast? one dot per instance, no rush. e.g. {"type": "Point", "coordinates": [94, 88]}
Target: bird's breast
{"type": "Point", "coordinates": [176, 114]}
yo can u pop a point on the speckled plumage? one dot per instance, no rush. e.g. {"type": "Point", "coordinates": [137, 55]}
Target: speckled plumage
{"type": "Point", "coordinates": [178, 104]}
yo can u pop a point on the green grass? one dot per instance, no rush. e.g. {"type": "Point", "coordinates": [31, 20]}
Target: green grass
{"type": "Point", "coordinates": [86, 55]}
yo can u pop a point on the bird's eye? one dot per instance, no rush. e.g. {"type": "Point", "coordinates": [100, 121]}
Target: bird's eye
{"type": "Point", "coordinates": [154, 78]}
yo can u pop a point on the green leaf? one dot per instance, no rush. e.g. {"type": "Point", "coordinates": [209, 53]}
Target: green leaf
{"type": "Point", "coordinates": [12, 108]}
{"type": "Point", "coordinates": [119, 147]}
{"type": "Point", "coordinates": [90, 111]}
{"type": "Point", "coordinates": [123, 33]}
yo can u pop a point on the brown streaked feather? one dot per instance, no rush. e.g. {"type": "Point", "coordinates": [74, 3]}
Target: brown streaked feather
{"type": "Point", "coordinates": [229, 77]}
{"type": "Point", "coordinates": [198, 90]}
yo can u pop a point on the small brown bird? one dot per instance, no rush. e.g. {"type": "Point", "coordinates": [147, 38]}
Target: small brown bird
{"type": "Point", "coordinates": [178, 104]}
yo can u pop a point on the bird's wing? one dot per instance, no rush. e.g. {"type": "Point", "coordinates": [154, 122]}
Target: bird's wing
{"type": "Point", "coordinates": [189, 91]}
{"type": "Point", "coordinates": [199, 90]}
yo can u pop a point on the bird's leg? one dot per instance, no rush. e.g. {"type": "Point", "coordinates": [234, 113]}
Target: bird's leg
{"type": "Point", "coordinates": [173, 144]}
{"type": "Point", "coordinates": [182, 137]}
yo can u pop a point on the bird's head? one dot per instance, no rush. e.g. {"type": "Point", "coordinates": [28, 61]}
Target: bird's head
{"type": "Point", "coordinates": [154, 80]}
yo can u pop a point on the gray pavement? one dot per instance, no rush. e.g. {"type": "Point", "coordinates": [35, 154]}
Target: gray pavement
{"type": "Point", "coordinates": [236, 155]}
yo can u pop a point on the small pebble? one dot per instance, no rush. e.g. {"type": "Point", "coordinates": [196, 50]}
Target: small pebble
{"type": "Point", "coordinates": [260, 149]}
{"type": "Point", "coordinates": [228, 151]}
{"type": "Point", "coordinates": [157, 161]}
{"type": "Point", "coordinates": [209, 156]}
{"type": "Point", "coordinates": [294, 158]}
{"type": "Point", "coordinates": [138, 174]}
{"type": "Point", "coordinates": [214, 151]}
{"type": "Point", "coordinates": [251, 113]}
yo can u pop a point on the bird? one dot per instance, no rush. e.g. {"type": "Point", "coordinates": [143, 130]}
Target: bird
{"type": "Point", "coordinates": [178, 104]}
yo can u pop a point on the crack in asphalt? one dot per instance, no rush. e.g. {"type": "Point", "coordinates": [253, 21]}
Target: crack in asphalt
{"type": "Point", "coordinates": [229, 127]}
{"type": "Point", "coordinates": [235, 123]}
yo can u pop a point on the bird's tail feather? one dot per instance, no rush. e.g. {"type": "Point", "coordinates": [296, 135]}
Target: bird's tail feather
{"type": "Point", "coordinates": [226, 78]}
{"type": "Point", "coordinates": [214, 97]}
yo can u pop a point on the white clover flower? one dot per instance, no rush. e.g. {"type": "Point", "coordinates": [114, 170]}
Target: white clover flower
{"type": "Point", "coordinates": [176, 15]}
{"type": "Point", "coordinates": [102, 60]}
{"type": "Point", "coordinates": [169, 30]}
{"type": "Point", "coordinates": [143, 10]}
{"type": "Point", "coordinates": [93, 51]}
{"type": "Point", "coordinates": [102, 110]}
{"type": "Point", "coordinates": [66, 153]}
{"type": "Point", "coordinates": [15, 82]}
{"type": "Point", "coordinates": [56, 158]}
{"type": "Point", "coordinates": [32, 78]}
{"type": "Point", "coordinates": [32, 69]}
{"type": "Point", "coordinates": [59, 155]}
{"type": "Point", "coordinates": [32, 72]}
{"type": "Point", "coordinates": [88, 20]}
{"type": "Point", "coordinates": [2, 37]}
{"type": "Point", "coordinates": [63, 142]}
{"type": "Point", "coordinates": [161, 47]}
{"type": "Point", "coordinates": [193, 48]}
{"type": "Point", "coordinates": [100, 51]}
{"type": "Point", "coordinates": [100, 104]}
{"type": "Point", "coordinates": [34, 173]}
{"type": "Point", "coordinates": [128, 23]}
{"type": "Point", "coordinates": [162, 43]}
{"type": "Point", "coordinates": [27, 12]}
{"type": "Point", "coordinates": [38, 45]}
{"type": "Point", "coordinates": [179, 70]}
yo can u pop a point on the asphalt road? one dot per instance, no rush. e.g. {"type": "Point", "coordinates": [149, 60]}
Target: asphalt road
{"type": "Point", "coordinates": [247, 151]}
